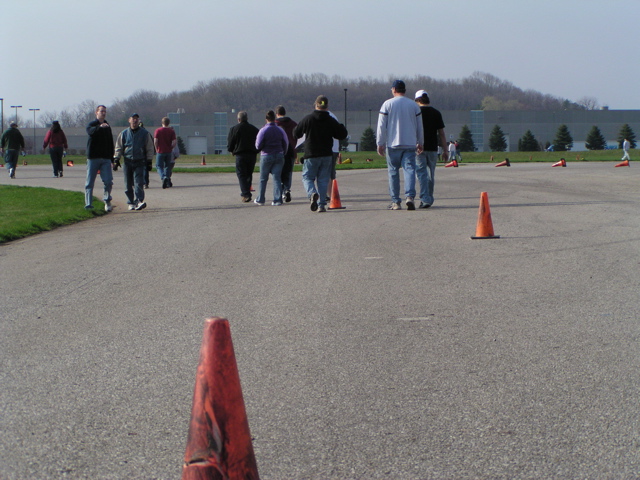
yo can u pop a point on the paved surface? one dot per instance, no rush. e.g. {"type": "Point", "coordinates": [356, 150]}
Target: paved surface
{"type": "Point", "coordinates": [371, 344]}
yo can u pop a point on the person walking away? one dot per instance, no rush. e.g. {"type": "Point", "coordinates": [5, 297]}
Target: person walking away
{"type": "Point", "coordinates": [164, 140]}
{"type": "Point", "coordinates": [399, 136]}
{"type": "Point", "coordinates": [452, 151]}
{"type": "Point", "coordinates": [272, 143]}
{"type": "Point", "coordinates": [288, 126]}
{"type": "Point", "coordinates": [319, 129]}
{"type": "Point", "coordinates": [136, 146]}
{"type": "Point", "coordinates": [11, 144]}
{"type": "Point", "coordinates": [56, 140]}
{"type": "Point", "coordinates": [626, 145]}
{"type": "Point", "coordinates": [99, 155]}
{"type": "Point", "coordinates": [434, 141]}
{"type": "Point", "coordinates": [241, 142]}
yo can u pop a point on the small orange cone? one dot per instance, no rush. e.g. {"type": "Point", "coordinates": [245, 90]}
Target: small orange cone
{"type": "Point", "coordinates": [561, 163]}
{"type": "Point", "coordinates": [335, 203]}
{"type": "Point", "coordinates": [24, 162]}
{"type": "Point", "coordinates": [484, 229]}
{"type": "Point", "coordinates": [219, 443]}
{"type": "Point", "coordinates": [69, 163]}
{"type": "Point", "coordinates": [453, 163]}
{"type": "Point", "coordinates": [623, 164]}
{"type": "Point", "coordinates": [506, 163]}
{"type": "Point", "coordinates": [203, 161]}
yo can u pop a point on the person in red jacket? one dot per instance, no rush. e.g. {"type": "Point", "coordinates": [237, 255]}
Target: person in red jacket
{"type": "Point", "coordinates": [56, 140]}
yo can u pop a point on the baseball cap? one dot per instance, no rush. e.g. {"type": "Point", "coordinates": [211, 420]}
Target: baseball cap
{"type": "Point", "coordinates": [420, 93]}
{"type": "Point", "coordinates": [134, 115]}
{"type": "Point", "coordinates": [13, 124]}
{"type": "Point", "coordinates": [398, 84]}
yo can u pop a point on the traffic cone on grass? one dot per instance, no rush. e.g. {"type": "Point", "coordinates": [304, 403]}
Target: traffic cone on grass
{"type": "Point", "coordinates": [623, 164]}
{"type": "Point", "coordinates": [203, 161]}
{"type": "Point", "coordinates": [506, 163]}
{"type": "Point", "coordinates": [335, 203]}
{"type": "Point", "coordinates": [561, 163]}
{"type": "Point", "coordinates": [484, 228]}
{"type": "Point", "coordinates": [219, 442]}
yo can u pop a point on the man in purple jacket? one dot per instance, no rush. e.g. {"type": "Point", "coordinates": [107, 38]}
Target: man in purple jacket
{"type": "Point", "coordinates": [272, 143]}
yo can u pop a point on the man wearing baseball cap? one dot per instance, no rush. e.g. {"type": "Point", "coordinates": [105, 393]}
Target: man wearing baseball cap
{"type": "Point", "coordinates": [400, 136]}
{"type": "Point", "coordinates": [135, 144]}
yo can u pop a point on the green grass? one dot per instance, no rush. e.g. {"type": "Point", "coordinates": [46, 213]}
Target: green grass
{"type": "Point", "coordinates": [28, 210]}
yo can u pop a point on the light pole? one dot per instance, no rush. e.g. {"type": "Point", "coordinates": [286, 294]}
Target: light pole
{"type": "Point", "coordinates": [16, 107]}
{"type": "Point", "coordinates": [345, 107]}
{"type": "Point", "coordinates": [34, 110]}
{"type": "Point", "coordinates": [369, 118]}
{"type": "Point", "coordinates": [2, 115]}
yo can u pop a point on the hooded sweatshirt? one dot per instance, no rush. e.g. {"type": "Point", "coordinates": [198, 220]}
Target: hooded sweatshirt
{"type": "Point", "coordinates": [320, 128]}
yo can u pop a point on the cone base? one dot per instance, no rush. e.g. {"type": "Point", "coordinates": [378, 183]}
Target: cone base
{"type": "Point", "coordinates": [336, 208]}
{"type": "Point", "coordinates": [480, 238]}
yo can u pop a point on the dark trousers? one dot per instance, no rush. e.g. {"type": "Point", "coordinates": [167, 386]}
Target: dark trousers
{"type": "Point", "coordinates": [245, 164]}
{"type": "Point", "coordinates": [56, 159]}
{"type": "Point", "coordinates": [134, 180]}
{"type": "Point", "coordinates": [287, 171]}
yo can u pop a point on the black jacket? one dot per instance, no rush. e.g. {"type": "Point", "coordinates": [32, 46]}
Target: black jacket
{"type": "Point", "coordinates": [100, 143]}
{"type": "Point", "coordinates": [242, 139]}
{"type": "Point", "coordinates": [320, 129]}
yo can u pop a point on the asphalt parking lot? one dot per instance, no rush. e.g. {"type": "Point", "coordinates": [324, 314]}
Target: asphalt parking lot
{"type": "Point", "coordinates": [370, 343]}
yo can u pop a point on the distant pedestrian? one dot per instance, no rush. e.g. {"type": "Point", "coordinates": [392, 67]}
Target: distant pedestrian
{"type": "Point", "coordinates": [626, 145]}
{"type": "Point", "coordinates": [164, 140]}
{"type": "Point", "coordinates": [288, 126]}
{"type": "Point", "coordinates": [452, 151]}
{"type": "Point", "coordinates": [434, 139]}
{"type": "Point", "coordinates": [241, 142]}
{"type": "Point", "coordinates": [272, 143]}
{"type": "Point", "coordinates": [99, 158]}
{"type": "Point", "coordinates": [319, 128]}
{"type": "Point", "coordinates": [400, 136]}
{"type": "Point", "coordinates": [136, 146]}
{"type": "Point", "coordinates": [56, 140]}
{"type": "Point", "coordinates": [11, 143]}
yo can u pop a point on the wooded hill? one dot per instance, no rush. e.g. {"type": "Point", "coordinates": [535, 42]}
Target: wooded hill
{"type": "Point", "coordinates": [297, 93]}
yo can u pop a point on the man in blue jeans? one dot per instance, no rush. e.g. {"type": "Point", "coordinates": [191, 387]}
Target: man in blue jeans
{"type": "Point", "coordinates": [319, 129]}
{"type": "Point", "coordinates": [272, 143]}
{"type": "Point", "coordinates": [434, 135]}
{"type": "Point", "coordinates": [99, 155]}
{"type": "Point", "coordinates": [400, 136]}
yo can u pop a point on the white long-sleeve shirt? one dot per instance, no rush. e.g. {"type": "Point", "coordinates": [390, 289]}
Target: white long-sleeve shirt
{"type": "Point", "coordinates": [400, 124]}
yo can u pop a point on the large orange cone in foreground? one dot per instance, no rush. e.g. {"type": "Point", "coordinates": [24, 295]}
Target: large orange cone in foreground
{"type": "Point", "coordinates": [203, 162]}
{"type": "Point", "coordinates": [561, 163]}
{"type": "Point", "coordinates": [453, 163]}
{"type": "Point", "coordinates": [623, 164]}
{"type": "Point", "coordinates": [335, 197]}
{"type": "Point", "coordinates": [506, 163]}
{"type": "Point", "coordinates": [484, 228]}
{"type": "Point", "coordinates": [219, 443]}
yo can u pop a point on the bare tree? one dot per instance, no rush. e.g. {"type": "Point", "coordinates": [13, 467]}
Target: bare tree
{"type": "Point", "coordinates": [588, 103]}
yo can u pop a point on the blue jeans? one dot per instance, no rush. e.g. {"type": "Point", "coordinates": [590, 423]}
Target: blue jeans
{"type": "Point", "coordinates": [134, 179]}
{"type": "Point", "coordinates": [425, 171]}
{"type": "Point", "coordinates": [163, 161]}
{"type": "Point", "coordinates": [271, 164]}
{"type": "Point", "coordinates": [11, 158]}
{"type": "Point", "coordinates": [317, 170]}
{"type": "Point", "coordinates": [106, 174]}
{"type": "Point", "coordinates": [406, 159]}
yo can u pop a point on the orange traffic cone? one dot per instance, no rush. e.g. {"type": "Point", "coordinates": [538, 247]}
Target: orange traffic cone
{"type": "Point", "coordinates": [484, 229]}
{"type": "Point", "coordinates": [561, 163]}
{"type": "Point", "coordinates": [24, 162]}
{"type": "Point", "coordinates": [506, 163]}
{"type": "Point", "coordinates": [69, 163]}
{"type": "Point", "coordinates": [203, 161]}
{"type": "Point", "coordinates": [453, 163]}
{"type": "Point", "coordinates": [335, 203]}
{"type": "Point", "coordinates": [623, 164]}
{"type": "Point", "coordinates": [219, 443]}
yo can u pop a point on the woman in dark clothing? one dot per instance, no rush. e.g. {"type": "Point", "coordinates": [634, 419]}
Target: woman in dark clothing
{"type": "Point", "coordinates": [56, 140]}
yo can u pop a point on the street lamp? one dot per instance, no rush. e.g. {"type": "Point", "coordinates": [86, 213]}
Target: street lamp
{"type": "Point", "coordinates": [34, 110]}
{"type": "Point", "coordinates": [369, 118]}
{"type": "Point", "coordinates": [2, 115]}
{"type": "Point", "coordinates": [16, 107]}
{"type": "Point", "coordinates": [345, 107]}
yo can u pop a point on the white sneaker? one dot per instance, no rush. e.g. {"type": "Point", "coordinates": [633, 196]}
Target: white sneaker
{"type": "Point", "coordinates": [132, 207]}
{"type": "Point", "coordinates": [141, 205]}
{"type": "Point", "coordinates": [107, 206]}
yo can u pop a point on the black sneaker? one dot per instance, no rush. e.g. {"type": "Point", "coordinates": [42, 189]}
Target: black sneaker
{"type": "Point", "coordinates": [424, 205]}
{"type": "Point", "coordinates": [141, 205]}
{"type": "Point", "coordinates": [410, 204]}
{"type": "Point", "coordinates": [165, 183]}
{"type": "Point", "coordinates": [314, 202]}
{"type": "Point", "coordinates": [287, 196]}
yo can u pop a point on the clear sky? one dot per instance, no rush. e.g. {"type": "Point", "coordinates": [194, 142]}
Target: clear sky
{"type": "Point", "coordinates": [56, 54]}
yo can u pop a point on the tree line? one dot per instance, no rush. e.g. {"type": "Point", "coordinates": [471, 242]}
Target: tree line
{"type": "Point", "coordinates": [479, 91]}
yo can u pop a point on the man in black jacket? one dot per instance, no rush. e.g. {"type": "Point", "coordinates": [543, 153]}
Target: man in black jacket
{"type": "Point", "coordinates": [241, 142]}
{"type": "Point", "coordinates": [319, 129]}
{"type": "Point", "coordinates": [99, 155]}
